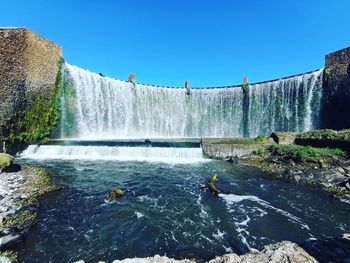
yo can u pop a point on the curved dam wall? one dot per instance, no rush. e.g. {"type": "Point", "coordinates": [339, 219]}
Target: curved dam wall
{"type": "Point", "coordinates": [95, 107]}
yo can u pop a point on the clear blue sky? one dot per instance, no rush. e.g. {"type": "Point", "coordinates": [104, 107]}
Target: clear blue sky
{"type": "Point", "coordinates": [209, 42]}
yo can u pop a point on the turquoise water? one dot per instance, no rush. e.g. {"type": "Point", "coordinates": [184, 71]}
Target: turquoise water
{"type": "Point", "coordinates": [164, 211]}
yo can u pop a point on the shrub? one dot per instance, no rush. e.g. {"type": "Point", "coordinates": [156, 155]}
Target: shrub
{"type": "Point", "coordinates": [303, 153]}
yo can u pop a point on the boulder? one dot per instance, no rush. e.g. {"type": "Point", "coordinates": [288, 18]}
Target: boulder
{"type": "Point", "coordinates": [8, 240]}
{"type": "Point", "coordinates": [6, 160]}
{"type": "Point", "coordinates": [114, 194]}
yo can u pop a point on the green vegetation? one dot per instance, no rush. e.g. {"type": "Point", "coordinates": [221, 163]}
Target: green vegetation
{"type": "Point", "coordinates": [10, 255]}
{"type": "Point", "coordinates": [260, 151]}
{"type": "Point", "coordinates": [326, 134]}
{"type": "Point", "coordinates": [42, 183]}
{"type": "Point", "coordinates": [299, 153]}
{"type": "Point", "coordinates": [260, 139]}
{"type": "Point", "coordinates": [42, 115]}
{"type": "Point", "coordinates": [245, 85]}
{"type": "Point", "coordinates": [5, 160]}
{"type": "Point", "coordinates": [19, 220]}
{"type": "Point", "coordinates": [328, 73]}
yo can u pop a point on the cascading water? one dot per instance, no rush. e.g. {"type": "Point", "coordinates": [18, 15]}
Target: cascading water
{"type": "Point", "coordinates": [100, 107]}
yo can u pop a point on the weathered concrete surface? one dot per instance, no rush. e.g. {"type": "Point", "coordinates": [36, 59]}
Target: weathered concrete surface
{"type": "Point", "coordinates": [28, 67]}
{"type": "Point", "coordinates": [336, 90]}
{"type": "Point", "coordinates": [221, 148]}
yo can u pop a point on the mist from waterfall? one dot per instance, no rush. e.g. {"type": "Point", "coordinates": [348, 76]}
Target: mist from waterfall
{"type": "Point", "coordinates": [97, 107]}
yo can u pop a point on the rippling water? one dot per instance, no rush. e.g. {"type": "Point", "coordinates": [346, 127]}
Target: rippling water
{"type": "Point", "coordinates": [164, 211]}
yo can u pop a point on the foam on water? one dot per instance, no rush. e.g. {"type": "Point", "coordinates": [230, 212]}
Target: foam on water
{"type": "Point", "coordinates": [231, 199]}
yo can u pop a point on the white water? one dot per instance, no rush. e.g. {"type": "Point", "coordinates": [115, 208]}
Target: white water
{"type": "Point", "coordinates": [100, 107]}
{"type": "Point", "coordinates": [152, 154]}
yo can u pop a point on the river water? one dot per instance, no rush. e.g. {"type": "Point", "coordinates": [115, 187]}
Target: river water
{"type": "Point", "coordinates": [164, 211]}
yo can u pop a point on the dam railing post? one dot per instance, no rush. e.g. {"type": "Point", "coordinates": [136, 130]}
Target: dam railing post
{"type": "Point", "coordinates": [187, 87]}
{"type": "Point", "coordinates": [245, 106]}
{"type": "Point", "coordinates": [132, 79]}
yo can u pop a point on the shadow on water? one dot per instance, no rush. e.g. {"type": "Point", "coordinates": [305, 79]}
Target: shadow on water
{"type": "Point", "coordinates": [336, 250]}
{"type": "Point", "coordinates": [164, 211]}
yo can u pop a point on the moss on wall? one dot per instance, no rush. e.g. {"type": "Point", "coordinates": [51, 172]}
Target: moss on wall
{"type": "Point", "coordinates": [42, 115]}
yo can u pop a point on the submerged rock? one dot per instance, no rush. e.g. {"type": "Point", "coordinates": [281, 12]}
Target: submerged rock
{"type": "Point", "coordinates": [114, 194]}
{"type": "Point", "coordinates": [9, 240]}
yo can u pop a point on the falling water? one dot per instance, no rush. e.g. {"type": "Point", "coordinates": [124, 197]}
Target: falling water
{"type": "Point", "coordinates": [100, 107]}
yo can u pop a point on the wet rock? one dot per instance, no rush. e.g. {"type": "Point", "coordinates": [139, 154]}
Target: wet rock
{"type": "Point", "coordinates": [4, 259]}
{"type": "Point", "coordinates": [347, 186]}
{"type": "Point", "coordinates": [340, 170]}
{"type": "Point", "coordinates": [282, 252]}
{"type": "Point", "coordinates": [13, 168]}
{"type": "Point", "coordinates": [346, 236]}
{"type": "Point", "coordinates": [9, 240]}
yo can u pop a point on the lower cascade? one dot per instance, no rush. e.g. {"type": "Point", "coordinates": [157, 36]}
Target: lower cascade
{"type": "Point", "coordinates": [122, 153]}
{"type": "Point", "coordinates": [99, 107]}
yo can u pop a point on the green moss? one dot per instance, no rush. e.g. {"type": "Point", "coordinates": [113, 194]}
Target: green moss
{"type": "Point", "coordinates": [245, 85]}
{"type": "Point", "coordinates": [18, 220]}
{"type": "Point", "coordinates": [328, 73]}
{"type": "Point", "coordinates": [6, 160]}
{"type": "Point", "coordinates": [42, 183]}
{"type": "Point", "coordinates": [326, 134]}
{"type": "Point", "coordinates": [42, 115]}
{"type": "Point", "coordinates": [13, 256]}
{"type": "Point", "coordinates": [299, 153]}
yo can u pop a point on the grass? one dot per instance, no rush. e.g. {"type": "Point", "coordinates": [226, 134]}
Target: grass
{"type": "Point", "coordinates": [299, 153]}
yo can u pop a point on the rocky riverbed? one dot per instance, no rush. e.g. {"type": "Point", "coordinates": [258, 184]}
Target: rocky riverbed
{"type": "Point", "coordinates": [19, 189]}
{"type": "Point", "coordinates": [332, 176]}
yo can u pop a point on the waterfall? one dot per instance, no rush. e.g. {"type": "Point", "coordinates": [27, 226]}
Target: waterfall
{"type": "Point", "coordinates": [155, 154]}
{"type": "Point", "coordinates": [289, 104]}
{"type": "Point", "coordinates": [97, 107]}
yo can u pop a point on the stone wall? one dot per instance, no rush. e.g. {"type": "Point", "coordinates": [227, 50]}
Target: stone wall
{"type": "Point", "coordinates": [28, 68]}
{"type": "Point", "coordinates": [336, 90]}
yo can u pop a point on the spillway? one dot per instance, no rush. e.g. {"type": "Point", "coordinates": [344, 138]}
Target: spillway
{"type": "Point", "coordinates": [98, 107]}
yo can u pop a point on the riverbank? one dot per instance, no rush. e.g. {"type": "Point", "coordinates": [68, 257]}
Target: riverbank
{"type": "Point", "coordinates": [308, 251]}
{"type": "Point", "coordinates": [20, 188]}
{"type": "Point", "coordinates": [282, 157]}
